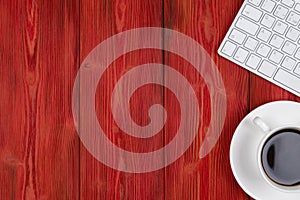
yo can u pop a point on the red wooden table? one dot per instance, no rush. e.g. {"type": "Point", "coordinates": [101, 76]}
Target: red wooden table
{"type": "Point", "coordinates": [42, 45]}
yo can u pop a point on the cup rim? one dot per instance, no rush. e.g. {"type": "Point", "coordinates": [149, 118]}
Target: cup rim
{"type": "Point", "coordinates": [244, 145]}
{"type": "Point", "coordinates": [275, 185]}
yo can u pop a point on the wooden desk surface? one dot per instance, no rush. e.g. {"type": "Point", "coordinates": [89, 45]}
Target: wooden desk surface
{"type": "Point", "coordinates": [42, 45]}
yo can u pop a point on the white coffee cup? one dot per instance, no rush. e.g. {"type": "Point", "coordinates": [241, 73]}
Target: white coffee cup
{"type": "Point", "coordinates": [268, 133]}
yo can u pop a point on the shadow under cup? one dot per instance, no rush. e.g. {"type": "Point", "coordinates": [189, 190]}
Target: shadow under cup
{"type": "Point", "coordinates": [280, 157]}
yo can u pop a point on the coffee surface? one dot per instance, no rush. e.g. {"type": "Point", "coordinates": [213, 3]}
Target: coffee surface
{"type": "Point", "coordinates": [281, 157]}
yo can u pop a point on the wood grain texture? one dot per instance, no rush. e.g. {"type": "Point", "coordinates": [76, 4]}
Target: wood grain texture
{"type": "Point", "coordinates": [209, 178]}
{"type": "Point", "coordinates": [13, 119]}
{"type": "Point", "coordinates": [42, 46]}
{"type": "Point", "coordinates": [39, 60]}
{"type": "Point", "coordinates": [100, 20]}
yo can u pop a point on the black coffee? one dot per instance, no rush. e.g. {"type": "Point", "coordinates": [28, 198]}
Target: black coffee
{"type": "Point", "coordinates": [281, 157]}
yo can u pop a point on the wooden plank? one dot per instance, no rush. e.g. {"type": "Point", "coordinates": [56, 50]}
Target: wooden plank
{"type": "Point", "coordinates": [99, 21]}
{"type": "Point", "coordinates": [58, 62]}
{"type": "Point", "coordinates": [211, 177]}
{"type": "Point", "coordinates": [13, 120]}
{"type": "Point", "coordinates": [39, 150]}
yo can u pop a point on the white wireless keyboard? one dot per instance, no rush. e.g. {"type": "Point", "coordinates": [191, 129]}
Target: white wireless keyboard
{"type": "Point", "coordinates": [264, 39]}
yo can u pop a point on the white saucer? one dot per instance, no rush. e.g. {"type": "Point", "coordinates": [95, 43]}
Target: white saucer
{"type": "Point", "coordinates": [244, 145]}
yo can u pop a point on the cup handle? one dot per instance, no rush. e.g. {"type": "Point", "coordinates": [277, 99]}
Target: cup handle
{"type": "Point", "coordinates": [261, 124]}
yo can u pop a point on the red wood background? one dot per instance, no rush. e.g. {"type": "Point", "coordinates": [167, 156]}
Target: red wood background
{"type": "Point", "coordinates": [42, 44]}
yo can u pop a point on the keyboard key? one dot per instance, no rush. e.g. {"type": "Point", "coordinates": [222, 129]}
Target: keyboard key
{"type": "Point", "coordinates": [276, 56]}
{"type": "Point", "coordinates": [267, 68]}
{"type": "Point", "coordinates": [241, 55]}
{"type": "Point", "coordinates": [228, 48]}
{"type": "Point", "coordinates": [297, 54]}
{"type": "Point", "coordinates": [297, 69]}
{"type": "Point", "coordinates": [276, 41]}
{"type": "Point", "coordinates": [280, 27]}
{"type": "Point", "coordinates": [288, 79]}
{"type": "Point", "coordinates": [264, 34]}
{"type": "Point", "coordinates": [289, 3]}
{"type": "Point", "coordinates": [253, 61]}
{"type": "Point", "coordinates": [252, 13]}
{"type": "Point", "coordinates": [255, 2]}
{"type": "Point", "coordinates": [293, 18]}
{"type": "Point", "coordinates": [268, 5]}
{"type": "Point", "coordinates": [292, 34]}
{"type": "Point", "coordinates": [289, 47]}
{"type": "Point", "coordinates": [288, 63]}
{"type": "Point", "coordinates": [247, 26]}
{"type": "Point", "coordinates": [251, 43]}
{"type": "Point", "coordinates": [237, 36]}
{"type": "Point", "coordinates": [268, 21]}
{"type": "Point", "coordinates": [297, 7]}
{"type": "Point", "coordinates": [263, 50]}
{"type": "Point", "coordinates": [281, 12]}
